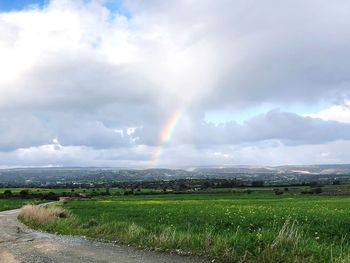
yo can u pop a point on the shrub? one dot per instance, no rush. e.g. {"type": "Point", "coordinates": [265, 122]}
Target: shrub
{"type": "Point", "coordinates": [317, 190]}
{"type": "Point", "coordinates": [8, 194]}
{"type": "Point", "coordinates": [306, 192]}
{"type": "Point", "coordinates": [51, 196]}
{"type": "Point", "coordinates": [24, 194]}
{"type": "Point", "coordinates": [278, 192]}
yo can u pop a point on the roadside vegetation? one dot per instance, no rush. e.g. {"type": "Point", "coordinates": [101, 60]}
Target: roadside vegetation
{"type": "Point", "coordinates": [42, 213]}
{"type": "Point", "coordinates": [241, 227]}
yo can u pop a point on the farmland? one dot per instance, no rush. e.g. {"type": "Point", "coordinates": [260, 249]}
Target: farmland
{"type": "Point", "coordinates": [228, 227]}
{"type": "Point", "coordinates": [13, 203]}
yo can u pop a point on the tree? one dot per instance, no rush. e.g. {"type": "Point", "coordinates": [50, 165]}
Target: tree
{"type": "Point", "coordinates": [258, 183]}
{"type": "Point", "coordinates": [314, 184]}
{"type": "Point", "coordinates": [8, 194]}
{"type": "Point", "coordinates": [24, 194]}
{"type": "Point", "coordinates": [51, 196]}
{"type": "Point", "coordinates": [182, 186]}
{"type": "Point", "coordinates": [318, 190]}
{"type": "Point", "coordinates": [207, 184]}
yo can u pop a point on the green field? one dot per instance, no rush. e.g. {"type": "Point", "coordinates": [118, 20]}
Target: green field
{"type": "Point", "coordinates": [229, 227]}
{"type": "Point", "coordinates": [13, 203]}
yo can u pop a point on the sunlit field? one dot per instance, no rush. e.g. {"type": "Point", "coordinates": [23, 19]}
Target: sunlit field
{"type": "Point", "coordinates": [228, 227]}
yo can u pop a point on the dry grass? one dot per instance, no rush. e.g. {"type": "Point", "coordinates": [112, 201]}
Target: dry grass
{"type": "Point", "coordinates": [289, 234]}
{"type": "Point", "coordinates": [41, 213]}
{"type": "Point", "coordinates": [288, 246]}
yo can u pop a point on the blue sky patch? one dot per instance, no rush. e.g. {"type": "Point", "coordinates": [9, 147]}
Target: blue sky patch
{"type": "Point", "coordinates": [115, 6]}
{"type": "Point", "coordinates": [10, 5]}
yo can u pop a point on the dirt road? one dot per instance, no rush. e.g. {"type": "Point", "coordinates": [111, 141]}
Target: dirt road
{"type": "Point", "coordinates": [20, 244]}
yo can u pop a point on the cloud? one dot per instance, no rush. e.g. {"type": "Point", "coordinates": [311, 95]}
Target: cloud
{"type": "Point", "coordinates": [55, 154]}
{"type": "Point", "coordinates": [254, 53]}
{"type": "Point", "coordinates": [340, 113]}
{"type": "Point", "coordinates": [268, 153]}
{"type": "Point", "coordinates": [82, 74]}
{"type": "Point", "coordinates": [21, 130]}
{"type": "Point", "coordinates": [288, 128]}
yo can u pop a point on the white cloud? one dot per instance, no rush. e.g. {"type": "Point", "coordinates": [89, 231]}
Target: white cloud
{"type": "Point", "coordinates": [102, 84]}
{"type": "Point", "coordinates": [340, 113]}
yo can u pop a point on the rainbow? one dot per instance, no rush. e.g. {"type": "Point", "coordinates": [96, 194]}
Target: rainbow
{"type": "Point", "coordinates": [166, 134]}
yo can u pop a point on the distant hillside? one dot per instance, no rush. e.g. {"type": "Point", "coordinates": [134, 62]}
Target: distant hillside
{"type": "Point", "coordinates": [286, 169]}
{"type": "Point", "coordinates": [278, 174]}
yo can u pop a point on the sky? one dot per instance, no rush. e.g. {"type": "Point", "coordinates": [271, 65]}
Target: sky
{"type": "Point", "coordinates": [171, 84]}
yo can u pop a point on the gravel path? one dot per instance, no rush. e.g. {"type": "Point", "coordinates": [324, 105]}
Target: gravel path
{"type": "Point", "coordinates": [20, 244]}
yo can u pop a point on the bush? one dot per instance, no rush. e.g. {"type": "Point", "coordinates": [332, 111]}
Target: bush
{"type": "Point", "coordinates": [51, 196]}
{"type": "Point", "coordinates": [278, 192]}
{"type": "Point", "coordinates": [306, 192]}
{"type": "Point", "coordinates": [24, 194]}
{"type": "Point", "coordinates": [317, 190]}
{"type": "Point", "coordinates": [8, 194]}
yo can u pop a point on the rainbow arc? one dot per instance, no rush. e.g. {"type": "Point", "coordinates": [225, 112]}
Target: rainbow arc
{"type": "Point", "coordinates": [166, 135]}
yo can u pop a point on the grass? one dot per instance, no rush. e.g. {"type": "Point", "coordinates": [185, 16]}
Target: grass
{"type": "Point", "coordinates": [13, 203]}
{"type": "Point", "coordinates": [42, 213]}
{"type": "Point", "coordinates": [229, 227]}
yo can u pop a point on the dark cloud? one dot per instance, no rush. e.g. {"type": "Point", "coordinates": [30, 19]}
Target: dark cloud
{"type": "Point", "coordinates": [289, 128]}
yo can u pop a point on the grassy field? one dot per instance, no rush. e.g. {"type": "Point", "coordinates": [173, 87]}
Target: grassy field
{"type": "Point", "coordinates": [228, 227]}
{"type": "Point", "coordinates": [13, 203]}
